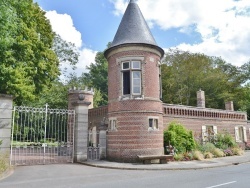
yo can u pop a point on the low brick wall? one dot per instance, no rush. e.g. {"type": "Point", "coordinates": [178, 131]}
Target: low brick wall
{"type": "Point", "coordinates": [98, 115]}
{"type": "Point", "coordinates": [194, 118]}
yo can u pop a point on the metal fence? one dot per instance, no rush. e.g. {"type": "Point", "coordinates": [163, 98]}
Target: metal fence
{"type": "Point", "coordinates": [42, 136]}
{"type": "Point", "coordinates": [93, 145]}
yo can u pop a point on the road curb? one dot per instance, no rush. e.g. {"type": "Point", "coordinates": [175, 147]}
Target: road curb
{"type": "Point", "coordinates": [163, 168]}
{"type": "Point", "coordinates": [7, 173]}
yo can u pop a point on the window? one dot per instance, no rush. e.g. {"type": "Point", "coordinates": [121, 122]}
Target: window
{"type": "Point", "coordinates": [131, 78]}
{"type": "Point", "coordinates": [240, 134]}
{"type": "Point", "coordinates": [112, 125]}
{"type": "Point", "coordinates": [153, 123]}
{"type": "Point", "coordinates": [208, 133]}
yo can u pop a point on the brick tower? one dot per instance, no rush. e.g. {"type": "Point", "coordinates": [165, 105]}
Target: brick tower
{"type": "Point", "coordinates": [134, 105]}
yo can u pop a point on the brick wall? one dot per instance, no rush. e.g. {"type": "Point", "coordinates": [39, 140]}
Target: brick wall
{"type": "Point", "coordinates": [194, 118]}
{"type": "Point", "coordinates": [132, 136]}
{"type": "Point", "coordinates": [150, 74]}
{"type": "Point", "coordinates": [98, 115]}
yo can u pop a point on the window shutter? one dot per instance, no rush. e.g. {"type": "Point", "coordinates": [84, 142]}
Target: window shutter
{"type": "Point", "coordinates": [204, 133]}
{"type": "Point", "coordinates": [245, 134]}
{"type": "Point", "coordinates": [215, 129]}
{"type": "Point", "coordinates": [237, 137]}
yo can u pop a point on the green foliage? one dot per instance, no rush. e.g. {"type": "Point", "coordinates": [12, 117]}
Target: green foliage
{"type": "Point", "coordinates": [197, 155]}
{"type": "Point", "coordinates": [56, 96]}
{"type": "Point", "coordinates": [218, 152]}
{"type": "Point", "coordinates": [4, 163]}
{"type": "Point", "coordinates": [66, 52]}
{"type": "Point", "coordinates": [224, 141]}
{"type": "Point", "coordinates": [178, 157]}
{"type": "Point", "coordinates": [1, 142]}
{"type": "Point", "coordinates": [207, 147]}
{"type": "Point", "coordinates": [208, 155]}
{"type": "Point", "coordinates": [184, 73]}
{"type": "Point", "coordinates": [97, 77]}
{"type": "Point", "coordinates": [27, 61]}
{"type": "Point", "coordinates": [237, 151]}
{"type": "Point", "coordinates": [244, 99]}
{"type": "Point", "coordinates": [179, 137]}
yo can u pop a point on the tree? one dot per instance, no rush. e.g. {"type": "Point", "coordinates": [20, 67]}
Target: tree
{"type": "Point", "coordinates": [97, 77]}
{"type": "Point", "coordinates": [27, 62]}
{"type": "Point", "coordinates": [56, 96]}
{"type": "Point", "coordinates": [184, 73]}
{"type": "Point", "coordinates": [66, 52]}
{"type": "Point", "coordinates": [244, 101]}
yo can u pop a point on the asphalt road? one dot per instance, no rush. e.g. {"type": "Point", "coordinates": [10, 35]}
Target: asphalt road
{"type": "Point", "coordinates": [74, 176]}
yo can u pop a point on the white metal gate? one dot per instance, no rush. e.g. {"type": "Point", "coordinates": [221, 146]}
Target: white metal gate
{"type": "Point", "coordinates": [93, 145]}
{"type": "Point", "coordinates": [42, 136]}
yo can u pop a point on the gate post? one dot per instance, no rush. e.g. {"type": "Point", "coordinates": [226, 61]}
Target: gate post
{"type": "Point", "coordinates": [102, 140]}
{"type": "Point", "coordinates": [6, 104]}
{"type": "Point", "coordinates": [80, 101]}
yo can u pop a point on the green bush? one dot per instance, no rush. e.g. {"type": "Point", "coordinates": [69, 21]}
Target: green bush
{"type": "Point", "coordinates": [224, 141]}
{"type": "Point", "coordinates": [207, 147]}
{"type": "Point", "coordinates": [218, 152]}
{"type": "Point", "coordinates": [208, 155]}
{"type": "Point", "coordinates": [179, 137]}
{"type": "Point", "coordinates": [179, 157]}
{"type": "Point", "coordinates": [237, 151]}
{"type": "Point", "coordinates": [1, 142]}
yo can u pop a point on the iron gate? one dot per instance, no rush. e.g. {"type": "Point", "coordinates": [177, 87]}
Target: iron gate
{"type": "Point", "coordinates": [93, 145]}
{"type": "Point", "coordinates": [42, 136]}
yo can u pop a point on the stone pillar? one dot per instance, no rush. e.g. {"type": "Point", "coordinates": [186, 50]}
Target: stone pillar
{"type": "Point", "coordinates": [81, 131]}
{"type": "Point", "coordinates": [80, 101]}
{"type": "Point", "coordinates": [201, 99]}
{"type": "Point", "coordinates": [75, 94]}
{"type": "Point", "coordinates": [103, 140]}
{"type": "Point", "coordinates": [6, 104]}
{"type": "Point", "coordinates": [229, 105]}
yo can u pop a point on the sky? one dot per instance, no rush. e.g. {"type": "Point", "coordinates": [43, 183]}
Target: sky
{"type": "Point", "coordinates": [218, 28]}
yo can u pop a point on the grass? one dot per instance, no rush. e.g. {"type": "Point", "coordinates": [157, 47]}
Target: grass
{"type": "Point", "coordinates": [237, 151]}
{"type": "Point", "coordinates": [218, 152]}
{"type": "Point", "coordinates": [23, 144]}
{"type": "Point", "coordinates": [197, 155]}
{"type": "Point", "coordinates": [208, 155]}
{"type": "Point", "coordinates": [4, 163]}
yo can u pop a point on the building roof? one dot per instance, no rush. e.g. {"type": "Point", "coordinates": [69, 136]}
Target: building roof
{"type": "Point", "coordinates": [133, 28]}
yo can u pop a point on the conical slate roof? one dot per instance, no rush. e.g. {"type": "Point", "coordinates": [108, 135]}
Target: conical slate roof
{"type": "Point", "coordinates": [133, 28]}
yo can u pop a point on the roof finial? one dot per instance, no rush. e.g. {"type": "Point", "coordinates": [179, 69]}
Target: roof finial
{"type": "Point", "coordinates": [132, 1]}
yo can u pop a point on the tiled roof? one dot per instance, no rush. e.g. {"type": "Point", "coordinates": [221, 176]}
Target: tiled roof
{"type": "Point", "coordinates": [133, 28]}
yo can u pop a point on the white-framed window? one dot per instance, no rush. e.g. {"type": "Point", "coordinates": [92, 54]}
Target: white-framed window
{"type": "Point", "coordinates": [240, 134]}
{"type": "Point", "coordinates": [131, 77]}
{"type": "Point", "coordinates": [112, 124]}
{"type": "Point", "coordinates": [153, 123]}
{"type": "Point", "coordinates": [208, 132]}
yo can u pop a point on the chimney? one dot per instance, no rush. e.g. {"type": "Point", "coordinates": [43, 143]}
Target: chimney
{"type": "Point", "coordinates": [201, 99]}
{"type": "Point", "coordinates": [229, 105]}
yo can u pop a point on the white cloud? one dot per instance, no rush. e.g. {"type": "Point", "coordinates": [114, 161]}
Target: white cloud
{"type": "Point", "coordinates": [63, 25]}
{"type": "Point", "coordinates": [223, 25]}
{"type": "Point", "coordinates": [87, 56]}
{"type": "Point", "coordinates": [120, 6]}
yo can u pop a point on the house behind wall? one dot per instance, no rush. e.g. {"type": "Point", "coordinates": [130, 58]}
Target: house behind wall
{"type": "Point", "coordinates": [135, 116]}
{"type": "Point", "coordinates": [196, 119]}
